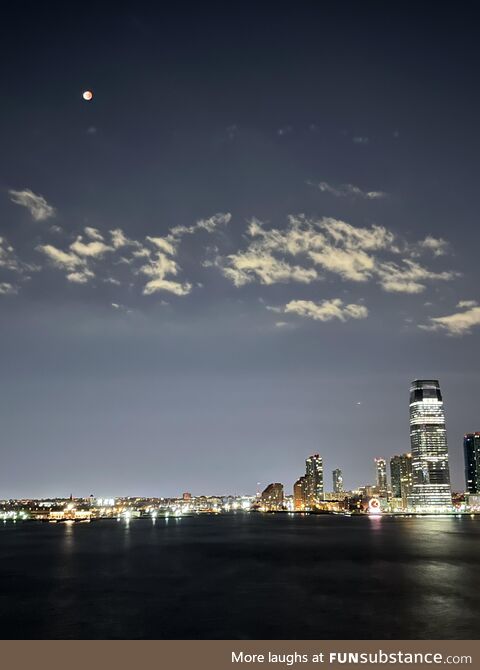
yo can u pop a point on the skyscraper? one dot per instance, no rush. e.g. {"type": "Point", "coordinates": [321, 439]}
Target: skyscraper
{"type": "Point", "coordinates": [314, 479]}
{"type": "Point", "coordinates": [471, 449]}
{"type": "Point", "coordinates": [401, 478]}
{"type": "Point", "coordinates": [431, 475]}
{"type": "Point", "coordinates": [381, 475]}
{"type": "Point", "coordinates": [337, 481]}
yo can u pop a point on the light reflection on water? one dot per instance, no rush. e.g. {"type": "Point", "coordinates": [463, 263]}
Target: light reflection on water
{"type": "Point", "coordinates": [243, 576]}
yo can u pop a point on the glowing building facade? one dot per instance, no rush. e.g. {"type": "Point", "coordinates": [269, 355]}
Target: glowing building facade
{"type": "Point", "coordinates": [401, 477]}
{"type": "Point", "coordinates": [272, 497]}
{"type": "Point", "coordinates": [314, 479]}
{"type": "Point", "coordinates": [431, 490]}
{"type": "Point", "coordinates": [337, 481]}
{"type": "Point", "coordinates": [381, 476]}
{"type": "Point", "coordinates": [300, 494]}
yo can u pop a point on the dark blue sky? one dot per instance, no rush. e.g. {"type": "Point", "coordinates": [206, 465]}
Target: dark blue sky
{"type": "Point", "coordinates": [242, 250]}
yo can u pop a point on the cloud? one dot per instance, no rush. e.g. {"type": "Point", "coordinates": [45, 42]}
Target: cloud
{"type": "Point", "coordinates": [360, 140]}
{"type": "Point", "coordinates": [244, 267]}
{"type": "Point", "coordinates": [410, 277]}
{"type": "Point", "coordinates": [38, 207]}
{"type": "Point", "coordinates": [93, 233]}
{"type": "Point", "coordinates": [437, 245]}
{"type": "Point", "coordinates": [158, 268]}
{"type": "Point", "coordinates": [163, 244]}
{"type": "Point", "coordinates": [8, 258]}
{"type": "Point", "coordinates": [94, 249]}
{"type": "Point", "coordinates": [326, 310]}
{"type": "Point", "coordinates": [120, 308]}
{"type": "Point", "coordinates": [156, 285]}
{"type": "Point", "coordinates": [61, 259]}
{"type": "Point", "coordinates": [85, 256]}
{"type": "Point", "coordinates": [81, 277]}
{"type": "Point", "coordinates": [345, 190]}
{"type": "Point", "coordinates": [467, 303]}
{"type": "Point", "coordinates": [8, 289]}
{"type": "Point", "coordinates": [119, 239]}
{"type": "Point", "coordinates": [353, 253]}
{"type": "Point", "coordinates": [458, 323]}
{"type": "Point", "coordinates": [209, 225]}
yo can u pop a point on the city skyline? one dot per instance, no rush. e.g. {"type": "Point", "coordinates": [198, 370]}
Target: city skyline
{"type": "Point", "coordinates": [239, 249]}
{"type": "Point", "coordinates": [401, 473]}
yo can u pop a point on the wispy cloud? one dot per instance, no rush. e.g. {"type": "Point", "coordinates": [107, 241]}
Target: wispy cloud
{"type": "Point", "coordinates": [158, 268]}
{"type": "Point", "coordinates": [209, 225]}
{"type": "Point", "coordinates": [8, 258]}
{"type": "Point", "coordinates": [458, 323]}
{"type": "Point", "coordinates": [437, 245]}
{"type": "Point", "coordinates": [348, 190]}
{"type": "Point", "coordinates": [297, 253]}
{"type": "Point", "coordinates": [410, 277]}
{"type": "Point", "coordinates": [358, 139]}
{"type": "Point", "coordinates": [85, 258]}
{"type": "Point", "coordinates": [6, 288]}
{"type": "Point", "coordinates": [93, 249]}
{"type": "Point", "coordinates": [326, 310]}
{"type": "Point", "coordinates": [38, 207]}
{"type": "Point", "coordinates": [245, 267]}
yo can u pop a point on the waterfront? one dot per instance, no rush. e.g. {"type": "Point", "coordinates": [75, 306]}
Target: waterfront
{"type": "Point", "coordinates": [242, 576]}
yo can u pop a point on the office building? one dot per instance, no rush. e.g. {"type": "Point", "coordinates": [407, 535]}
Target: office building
{"type": "Point", "coordinates": [471, 450]}
{"type": "Point", "coordinates": [381, 476]}
{"type": "Point", "coordinates": [401, 478]}
{"type": "Point", "coordinates": [314, 477]}
{"type": "Point", "coordinates": [337, 481]}
{"type": "Point", "coordinates": [431, 490]}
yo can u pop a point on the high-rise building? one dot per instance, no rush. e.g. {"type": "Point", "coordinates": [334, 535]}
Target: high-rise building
{"type": "Point", "coordinates": [314, 477]}
{"type": "Point", "coordinates": [401, 478]}
{"type": "Point", "coordinates": [272, 496]}
{"type": "Point", "coordinates": [471, 449]}
{"type": "Point", "coordinates": [428, 438]}
{"type": "Point", "coordinates": [337, 481]}
{"type": "Point", "coordinates": [300, 494]}
{"type": "Point", "coordinates": [395, 476]}
{"type": "Point", "coordinates": [381, 476]}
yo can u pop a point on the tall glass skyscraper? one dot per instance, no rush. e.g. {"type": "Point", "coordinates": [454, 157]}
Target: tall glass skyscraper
{"type": "Point", "coordinates": [337, 481]}
{"type": "Point", "coordinates": [381, 476]}
{"type": "Point", "coordinates": [314, 479]}
{"type": "Point", "coordinates": [401, 478]}
{"type": "Point", "coordinates": [471, 448]}
{"type": "Point", "coordinates": [431, 490]}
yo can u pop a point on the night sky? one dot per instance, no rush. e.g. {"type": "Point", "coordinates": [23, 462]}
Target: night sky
{"type": "Point", "coordinates": [242, 250]}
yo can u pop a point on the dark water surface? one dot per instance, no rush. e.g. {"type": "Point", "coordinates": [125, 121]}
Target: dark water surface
{"type": "Point", "coordinates": [242, 576]}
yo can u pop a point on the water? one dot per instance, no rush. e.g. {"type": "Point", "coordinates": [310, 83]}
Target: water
{"type": "Point", "coordinates": [242, 576]}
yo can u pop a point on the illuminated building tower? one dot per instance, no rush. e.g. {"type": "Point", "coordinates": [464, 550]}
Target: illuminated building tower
{"type": "Point", "coordinates": [395, 476]}
{"type": "Point", "coordinates": [381, 472]}
{"type": "Point", "coordinates": [401, 478]}
{"type": "Point", "coordinates": [314, 477]}
{"type": "Point", "coordinates": [431, 475]}
{"type": "Point", "coordinates": [272, 497]}
{"type": "Point", "coordinates": [471, 448]}
{"type": "Point", "coordinates": [300, 494]}
{"type": "Point", "coordinates": [337, 481]}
